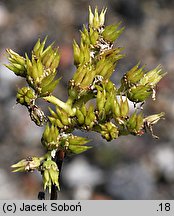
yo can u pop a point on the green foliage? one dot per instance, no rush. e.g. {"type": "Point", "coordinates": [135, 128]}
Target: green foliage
{"type": "Point", "coordinates": [95, 59]}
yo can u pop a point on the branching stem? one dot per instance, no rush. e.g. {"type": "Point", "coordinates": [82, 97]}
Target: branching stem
{"type": "Point", "coordinates": [54, 100]}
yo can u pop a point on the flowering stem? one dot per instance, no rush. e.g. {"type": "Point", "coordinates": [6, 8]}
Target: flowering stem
{"type": "Point", "coordinates": [59, 157]}
{"type": "Point", "coordinates": [53, 195]}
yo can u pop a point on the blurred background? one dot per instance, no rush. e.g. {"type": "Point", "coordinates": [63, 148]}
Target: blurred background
{"type": "Point", "coordinates": [127, 168]}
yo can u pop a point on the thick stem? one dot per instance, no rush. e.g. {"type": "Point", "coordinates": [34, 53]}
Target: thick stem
{"type": "Point", "coordinates": [54, 190]}
{"type": "Point", "coordinates": [41, 195]}
{"type": "Point", "coordinates": [59, 157]}
{"type": "Point", "coordinates": [59, 103]}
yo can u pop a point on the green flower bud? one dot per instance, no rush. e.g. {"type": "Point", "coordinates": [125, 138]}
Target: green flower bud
{"type": "Point", "coordinates": [50, 174]}
{"type": "Point", "coordinates": [47, 60]}
{"type": "Point", "coordinates": [106, 135]}
{"type": "Point", "coordinates": [109, 86]}
{"type": "Point", "coordinates": [17, 63]}
{"type": "Point", "coordinates": [152, 77]}
{"type": "Point", "coordinates": [80, 116]}
{"type": "Point", "coordinates": [36, 47]}
{"type": "Point", "coordinates": [107, 65]}
{"type": "Point", "coordinates": [19, 67]}
{"type": "Point", "coordinates": [102, 16]}
{"type": "Point", "coordinates": [46, 178]}
{"type": "Point", "coordinates": [48, 79]}
{"type": "Point", "coordinates": [40, 69]}
{"type": "Point", "coordinates": [86, 54]}
{"type": "Point", "coordinates": [77, 140]}
{"type": "Point", "coordinates": [35, 73]}
{"type": "Point", "coordinates": [113, 55]}
{"type": "Point", "coordinates": [83, 109]}
{"type": "Point", "coordinates": [55, 61]}
{"type": "Point", "coordinates": [77, 73]}
{"type": "Point", "coordinates": [16, 58]}
{"type": "Point", "coordinates": [63, 116]}
{"type": "Point", "coordinates": [109, 131]}
{"type": "Point", "coordinates": [48, 89]}
{"type": "Point", "coordinates": [134, 75]}
{"type": "Point", "coordinates": [109, 102]}
{"type": "Point", "coordinates": [124, 107]}
{"type": "Point", "coordinates": [91, 111]}
{"type": "Point", "coordinates": [76, 53]}
{"type": "Point", "coordinates": [80, 74]}
{"type": "Point", "coordinates": [74, 144]}
{"type": "Point", "coordinates": [15, 70]}
{"type": "Point", "coordinates": [85, 39]}
{"type": "Point", "coordinates": [78, 149]}
{"type": "Point", "coordinates": [50, 137]}
{"type": "Point", "coordinates": [88, 79]}
{"type": "Point", "coordinates": [100, 65]}
{"type": "Point", "coordinates": [88, 121]}
{"type": "Point", "coordinates": [92, 118]}
{"type": "Point", "coordinates": [143, 84]}
{"type": "Point", "coordinates": [111, 32]}
{"type": "Point", "coordinates": [39, 47]}
{"type": "Point", "coordinates": [73, 92]}
{"type": "Point", "coordinates": [116, 109]}
{"type": "Point", "coordinates": [32, 72]}
{"type": "Point", "coordinates": [60, 118]}
{"type": "Point", "coordinates": [28, 66]}
{"type": "Point", "coordinates": [101, 99]}
{"type": "Point", "coordinates": [95, 20]}
{"type": "Point", "coordinates": [58, 123]}
{"type": "Point", "coordinates": [107, 70]}
{"type": "Point", "coordinates": [94, 36]}
{"type": "Point", "coordinates": [132, 122]}
{"type": "Point", "coordinates": [53, 113]}
{"type": "Point", "coordinates": [139, 93]}
{"type": "Point", "coordinates": [54, 175]}
{"type": "Point", "coordinates": [91, 17]}
{"type": "Point", "coordinates": [139, 122]}
{"type": "Point", "coordinates": [25, 96]}
{"type": "Point", "coordinates": [46, 52]}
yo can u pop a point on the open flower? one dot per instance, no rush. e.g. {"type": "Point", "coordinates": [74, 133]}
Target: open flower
{"type": "Point", "coordinates": [28, 164]}
{"type": "Point", "coordinates": [149, 121]}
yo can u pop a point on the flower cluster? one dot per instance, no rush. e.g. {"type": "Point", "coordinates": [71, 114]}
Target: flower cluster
{"type": "Point", "coordinates": [94, 102]}
{"type": "Point", "coordinates": [138, 85]}
{"type": "Point", "coordinates": [50, 174]}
